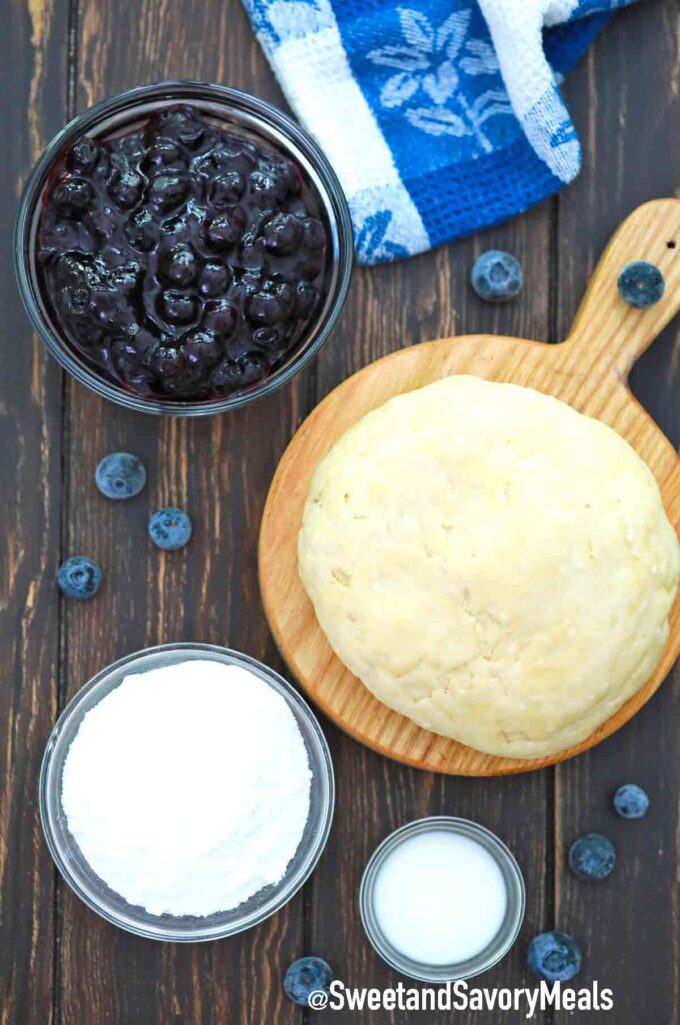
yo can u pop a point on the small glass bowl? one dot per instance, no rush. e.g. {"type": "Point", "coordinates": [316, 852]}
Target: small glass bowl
{"type": "Point", "coordinates": [94, 891]}
{"type": "Point", "coordinates": [232, 107]}
{"type": "Point", "coordinates": [494, 951]}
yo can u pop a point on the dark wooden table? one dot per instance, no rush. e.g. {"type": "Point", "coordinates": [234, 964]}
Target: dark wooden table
{"type": "Point", "coordinates": [60, 964]}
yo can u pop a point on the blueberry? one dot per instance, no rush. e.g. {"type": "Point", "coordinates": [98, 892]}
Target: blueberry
{"type": "Point", "coordinates": [554, 956]}
{"type": "Point", "coordinates": [169, 365]}
{"type": "Point", "coordinates": [83, 156]}
{"type": "Point", "coordinates": [306, 975]}
{"type": "Point", "coordinates": [592, 856]}
{"type": "Point", "coordinates": [79, 577]}
{"type": "Point", "coordinates": [631, 801]}
{"type": "Point", "coordinates": [179, 307]}
{"type": "Point", "coordinates": [167, 190]}
{"type": "Point", "coordinates": [162, 153]}
{"type": "Point", "coordinates": [313, 234]}
{"type": "Point", "coordinates": [170, 529]}
{"type": "Point", "coordinates": [72, 196]}
{"type": "Point", "coordinates": [496, 276]}
{"type": "Point", "coordinates": [202, 349]}
{"type": "Point", "coordinates": [282, 234]}
{"type": "Point", "coordinates": [120, 475]}
{"type": "Point", "coordinates": [214, 279]}
{"type": "Point", "coordinates": [126, 188]}
{"type": "Point", "coordinates": [641, 284]}
{"type": "Point", "coordinates": [224, 230]}
{"type": "Point", "coordinates": [142, 231]}
{"type": "Point", "coordinates": [180, 266]}
{"type": "Point", "coordinates": [226, 188]}
{"type": "Point", "coordinates": [220, 317]}
{"type": "Point", "coordinates": [272, 304]}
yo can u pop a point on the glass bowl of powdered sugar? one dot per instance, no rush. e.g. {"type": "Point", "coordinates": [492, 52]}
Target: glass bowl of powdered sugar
{"type": "Point", "coordinates": [186, 792]}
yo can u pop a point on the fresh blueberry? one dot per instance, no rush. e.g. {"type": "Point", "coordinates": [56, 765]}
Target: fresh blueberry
{"type": "Point", "coordinates": [306, 975]}
{"type": "Point", "coordinates": [641, 284]}
{"type": "Point", "coordinates": [170, 529]}
{"type": "Point", "coordinates": [592, 856]}
{"type": "Point", "coordinates": [631, 801]}
{"type": "Point", "coordinates": [79, 577]}
{"type": "Point", "coordinates": [496, 276]}
{"type": "Point", "coordinates": [120, 475]}
{"type": "Point", "coordinates": [554, 956]}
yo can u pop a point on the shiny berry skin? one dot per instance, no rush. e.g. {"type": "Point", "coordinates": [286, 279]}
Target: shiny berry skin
{"type": "Point", "coordinates": [178, 307]}
{"type": "Point", "coordinates": [307, 975]}
{"type": "Point", "coordinates": [170, 529]}
{"type": "Point", "coordinates": [282, 234]}
{"type": "Point", "coordinates": [164, 251]}
{"type": "Point", "coordinates": [120, 475]}
{"type": "Point", "coordinates": [641, 284]}
{"type": "Point", "coordinates": [83, 156]}
{"type": "Point", "coordinates": [631, 801]}
{"type": "Point", "coordinates": [142, 231]}
{"type": "Point", "coordinates": [496, 276]}
{"type": "Point", "coordinates": [180, 266]}
{"type": "Point", "coordinates": [226, 189]}
{"type": "Point", "coordinates": [554, 957]}
{"type": "Point", "coordinates": [72, 196]}
{"type": "Point", "coordinates": [592, 856]}
{"type": "Point", "coordinates": [79, 577]}
{"type": "Point", "coordinates": [225, 229]}
{"type": "Point", "coordinates": [214, 279]}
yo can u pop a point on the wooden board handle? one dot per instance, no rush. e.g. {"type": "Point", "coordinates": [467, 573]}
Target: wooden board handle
{"type": "Point", "coordinates": [607, 329]}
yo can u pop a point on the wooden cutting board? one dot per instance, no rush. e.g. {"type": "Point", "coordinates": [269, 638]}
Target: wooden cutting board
{"type": "Point", "coordinates": [589, 371]}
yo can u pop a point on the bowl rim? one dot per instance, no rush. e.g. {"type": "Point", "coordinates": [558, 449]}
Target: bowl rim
{"type": "Point", "coordinates": [290, 136]}
{"type": "Point", "coordinates": [49, 778]}
{"type": "Point", "coordinates": [490, 955]}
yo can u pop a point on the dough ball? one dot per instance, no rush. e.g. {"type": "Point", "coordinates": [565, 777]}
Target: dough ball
{"type": "Point", "coordinates": [490, 563]}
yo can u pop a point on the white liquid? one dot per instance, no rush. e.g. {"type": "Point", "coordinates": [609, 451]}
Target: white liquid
{"type": "Point", "coordinates": [440, 898]}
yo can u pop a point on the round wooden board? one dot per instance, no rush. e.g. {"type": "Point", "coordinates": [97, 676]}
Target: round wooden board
{"type": "Point", "coordinates": [589, 371]}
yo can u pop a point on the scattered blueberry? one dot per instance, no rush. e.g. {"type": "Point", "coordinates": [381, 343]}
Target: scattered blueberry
{"type": "Point", "coordinates": [304, 976]}
{"type": "Point", "coordinates": [592, 856]}
{"type": "Point", "coordinates": [170, 529]}
{"type": "Point", "coordinates": [79, 577]}
{"type": "Point", "coordinates": [496, 276]}
{"type": "Point", "coordinates": [631, 801]}
{"type": "Point", "coordinates": [120, 475]}
{"type": "Point", "coordinates": [641, 284]}
{"type": "Point", "coordinates": [554, 956]}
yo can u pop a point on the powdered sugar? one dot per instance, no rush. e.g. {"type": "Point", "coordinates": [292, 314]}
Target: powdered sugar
{"type": "Point", "coordinates": [187, 788]}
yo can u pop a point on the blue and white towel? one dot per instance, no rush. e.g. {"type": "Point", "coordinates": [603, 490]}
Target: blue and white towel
{"type": "Point", "coordinates": [440, 117]}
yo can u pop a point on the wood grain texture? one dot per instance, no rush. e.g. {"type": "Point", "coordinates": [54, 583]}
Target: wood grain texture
{"type": "Point", "coordinates": [589, 370]}
{"type": "Point", "coordinates": [34, 76]}
{"type": "Point", "coordinates": [625, 98]}
{"type": "Point", "coordinates": [218, 470]}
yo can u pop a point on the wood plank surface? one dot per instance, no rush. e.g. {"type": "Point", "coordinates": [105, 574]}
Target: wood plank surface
{"type": "Point", "coordinates": [58, 962]}
{"type": "Point", "coordinates": [34, 77]}
{"type": "Point", "coordinates": [218, 470]}
{"type": "Point", "coordinates": [625, 98]}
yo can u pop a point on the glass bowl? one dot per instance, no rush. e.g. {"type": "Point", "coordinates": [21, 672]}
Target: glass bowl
{"type": "Point", "coordinates": [504, 938]}
{"type": "Point", "coordinates": [110, 905]}
{"type": "Point", "coordinates": [227, 105]}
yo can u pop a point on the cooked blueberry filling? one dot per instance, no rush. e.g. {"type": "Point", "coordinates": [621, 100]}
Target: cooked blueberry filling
{"type": "Point", "coordinates": [183, 259]}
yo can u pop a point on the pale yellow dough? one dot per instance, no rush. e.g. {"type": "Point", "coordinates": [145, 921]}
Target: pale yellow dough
{"type": "Point", "coordinates": [490, 563]}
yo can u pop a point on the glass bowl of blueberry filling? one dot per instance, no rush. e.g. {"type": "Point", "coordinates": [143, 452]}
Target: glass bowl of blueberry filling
{"type": "Point", "coordinates": [183, 248]}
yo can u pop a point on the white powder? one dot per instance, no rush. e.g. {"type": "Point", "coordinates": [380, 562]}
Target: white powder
{"type": "Point", "coordinates": [187, 788]}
